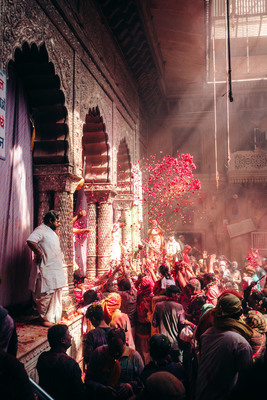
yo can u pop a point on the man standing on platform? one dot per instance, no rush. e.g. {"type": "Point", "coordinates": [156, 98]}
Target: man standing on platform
{"type": "Point", "coordinates": [47, 278]}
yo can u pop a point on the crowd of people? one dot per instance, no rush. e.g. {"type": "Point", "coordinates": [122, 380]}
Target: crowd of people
{"type": "Point", "coordinates": [189, 328]}
{"type": "Point", "coordinates": [193, 330]}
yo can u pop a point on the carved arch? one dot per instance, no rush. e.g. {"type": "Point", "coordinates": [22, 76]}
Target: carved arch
{"type": "Point", "coordinates": [124, 174]}
{"type": "Point", "coordinates": [46, 104]}
{"type": "Point", "coordinates": [95, 148]}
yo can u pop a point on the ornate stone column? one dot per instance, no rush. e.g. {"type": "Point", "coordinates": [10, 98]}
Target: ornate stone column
{"type": "Point", "coordinates": [56, 185]}
{"type": "Point", "coordinates": [127, 228]}
{"type": "Point", "coordinates": [101, 195]}
{"type": "Point", "coordinates": [117, 209]}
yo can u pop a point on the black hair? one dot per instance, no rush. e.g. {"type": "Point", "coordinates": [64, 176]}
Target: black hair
{"type": "Point", "coordinates": [55, 334]}
{"type": "Point", "coordinates": [159, 347]}
{"type": "Point", "coordinates": [209, 277]}
{"type": "Point", "coordinates": [257, 296]}
{"type": "Point", "coordinates": [164, 271]}
{"type": "Point", "coordinates": [116, 333]}
{"type": "Point", "coordinates": [53, 215]}
{"type": "Point", "coordinates": [124, 284]}
{"type": "Point", "coordinates": [263, 303]}
{"type": "Point", "coordinates": [89, 296]}
{"type": "Point", "coordinates": [95, 311]}
{"type": "Point", "coordinates": [172, 289]}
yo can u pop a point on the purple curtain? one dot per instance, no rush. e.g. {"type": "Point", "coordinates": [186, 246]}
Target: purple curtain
{"type": "Point", "coordinates": [16, 199]}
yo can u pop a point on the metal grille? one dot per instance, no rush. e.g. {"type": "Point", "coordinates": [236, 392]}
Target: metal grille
{"type": "Point", "coordinates": [259, 240]}
{"type": "Point", "coordinates": [239, 7]}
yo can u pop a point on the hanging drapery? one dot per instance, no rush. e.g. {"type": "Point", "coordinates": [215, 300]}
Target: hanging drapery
{"type": "Point", "coordinates": [16, 198]}
{"type": "Point", "coordinates": [215, 109]}
{"type": "Point", "coordinates": [228, 75]}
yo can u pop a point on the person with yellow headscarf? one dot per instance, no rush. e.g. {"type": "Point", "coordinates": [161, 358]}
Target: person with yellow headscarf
{"type": "Point", "coordinates": [115, 318]}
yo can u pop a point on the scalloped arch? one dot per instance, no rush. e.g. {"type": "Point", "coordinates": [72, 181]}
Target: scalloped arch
{"type": "Point", "coordinates": [124, 173]}
{"type": "Point", "coordinates": [95, 148]}
{"type": "Point", "coordinates": [46, 103]}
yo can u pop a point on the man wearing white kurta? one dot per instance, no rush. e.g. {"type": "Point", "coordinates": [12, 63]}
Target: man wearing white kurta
{"type": "Point", "coordinates": [173, 248]}
{"type": "Point", "coordinates": [47, 278]}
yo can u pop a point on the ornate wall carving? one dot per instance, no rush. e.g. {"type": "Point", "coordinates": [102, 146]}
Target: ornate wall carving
{"type": "Point", "coordinates": [248, 166]}
{"type": "Point", "coordinates": [123, 130]}
{"type": "Point", "coordinates": [250, 160]}
{"type": "Point", "coordinates": [90, 94]}
{"type": "Point", "coordinates": [22, 22]}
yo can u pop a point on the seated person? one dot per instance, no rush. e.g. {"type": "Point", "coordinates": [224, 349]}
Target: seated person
{"type": "Point", "coordinates": [114, 370]}
{"type": "Point", "coordinates": [98, 336]}
{"type": "Point", "coordinates": [59, 374]}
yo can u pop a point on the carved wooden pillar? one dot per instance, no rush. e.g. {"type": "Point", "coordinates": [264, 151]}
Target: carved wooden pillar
{"type": "Point", "coordinates": [100, 221]}
{"type": "Point", "coordinates": [44, 201]}
{"type": "Point", "coordinates": [63, 203]}
{"type": "Point", "coordinates": [104, 236]}
{"type": "Point", "coordinates": [91, 241]}
{"type": "Point", "coordinates": [57, 183]}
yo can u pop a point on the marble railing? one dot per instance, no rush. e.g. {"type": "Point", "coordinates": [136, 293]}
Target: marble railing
{"type": "Point", "coordinates": [248, 167]}
{"type": "Point", "coordinates": [32, 341]}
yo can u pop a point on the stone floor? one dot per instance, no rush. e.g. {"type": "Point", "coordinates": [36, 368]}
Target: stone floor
{"type": "Point", "coordinates": [30, 335]}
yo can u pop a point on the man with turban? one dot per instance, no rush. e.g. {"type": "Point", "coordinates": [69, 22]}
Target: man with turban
{"type": "Point", "coordinates": [224, 350]}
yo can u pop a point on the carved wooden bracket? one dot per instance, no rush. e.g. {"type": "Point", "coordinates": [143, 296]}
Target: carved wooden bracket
{"type": "Point", "coordinates": [101, 193]}
{"type": "Point", "coordinates": [59, 178]}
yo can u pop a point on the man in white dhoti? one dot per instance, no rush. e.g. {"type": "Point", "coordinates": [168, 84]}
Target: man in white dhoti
{"type": "Point", "coordinates": [173, 249]}
{"type": "Point", "coordinates": [47, 276]}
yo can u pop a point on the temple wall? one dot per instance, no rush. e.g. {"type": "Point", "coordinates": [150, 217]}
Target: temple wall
{"type": "Point", "coordinates": [92, 73]}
